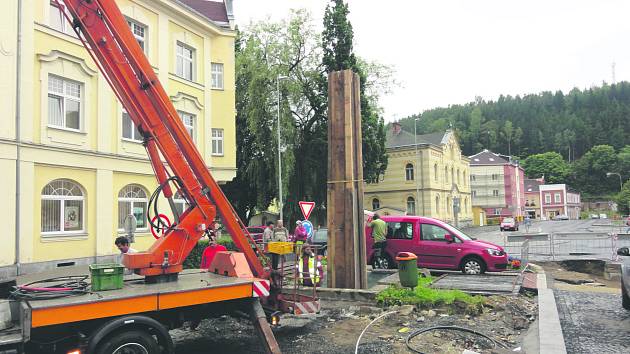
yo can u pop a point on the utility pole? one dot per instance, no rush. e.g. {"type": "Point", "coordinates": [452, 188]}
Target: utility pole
{"type": "Point", "coordinates": [280, 205]}
{"type": "Point", "coordinates": [418, 167]}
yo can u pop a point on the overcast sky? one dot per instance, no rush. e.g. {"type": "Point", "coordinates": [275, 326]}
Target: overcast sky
{"type": "Point", "coordinates": [450, 51]}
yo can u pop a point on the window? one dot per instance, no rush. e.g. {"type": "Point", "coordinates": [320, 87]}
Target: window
{"type": "Point", "coordinates": [472, 178]}
{"type": "Point", "coordinates": [62, 207]}
{"type": "Point", "coordinates": [140, 33]}
{"type": "Point", "coordinates": [547, 198]}
{"type": "Point", "coordinates": [437, 204]}
{"type": "Point", "coordinates": [189, 123]}
{"type": "Point", "coordinates": [132, 199]}
{"type": "Point", "coordinates": [435, 172]}
{"type": "Point", "coordinates": [58, 21]}
{"type": "Point", "coordinates": [497, 211]}
{"type": "Point", "coordinates": [185, 61]}
{"type": "Point", "coordinates": [433, 233]}
{"type": "Point", "coordinates": [217, 76]}
{"type": "Point", "coordinates": [130, 131]}
{"type": "Point", "coordinates": [376, 204]}
{"type": "Point", "coordinates": [180, 203]}
{"type": "Point", "coordinates": [217, 142]}
{"type": "Point", "coordinates": [557, 198]}
{"type": "Point", "coordinates": [409, 172]}
{"type": "Point", "coordinates": [64, 103]}
{"type": "Point", "coordinates": [399, 230]}
{"type": "Point", "coordinates": [446, 174]}
{"type": "Point", "coordinates": [495, 192]}
{"type": "Point", "coordinates": [459, 177]}
{"type": "Point", "coordinates": [474, 193]}
{"type": "Point", "coordinates": [452, 175]}
{"type": "Point", "coordinates": [411, 206]}
{"type": "Point", "coordinates": [495, 177]}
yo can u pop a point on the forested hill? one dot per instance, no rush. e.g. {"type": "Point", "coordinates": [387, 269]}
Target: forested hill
{"type": "Point", "coordinates": [567, 123]}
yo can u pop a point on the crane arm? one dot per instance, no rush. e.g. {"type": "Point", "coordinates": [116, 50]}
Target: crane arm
{"type": "Point", "coordinates": [106, 35]}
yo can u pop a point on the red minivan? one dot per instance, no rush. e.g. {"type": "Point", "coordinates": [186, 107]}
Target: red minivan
{"type": "Point", "coordinates": [437, 244]}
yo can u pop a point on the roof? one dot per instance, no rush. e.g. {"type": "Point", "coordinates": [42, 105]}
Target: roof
{"type": "Point", "coordinates": [403, 138]}
{"type": "Point", "coordinates": [487, 157]}
{"type": "Point", "coordinates": [532, 185]}
{"type": "Point", "coordinates": [212, 10]}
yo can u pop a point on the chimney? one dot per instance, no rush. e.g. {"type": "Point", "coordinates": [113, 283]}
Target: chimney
{"type": "Point", "coordinates": [396, 128]}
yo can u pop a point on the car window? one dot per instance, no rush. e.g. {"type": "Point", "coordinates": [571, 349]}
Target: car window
{"type": "Point", "coordinates": [399, 230]}
{"type": "Point", "coordinates": [321, 235]}
{"type": "Point", "coordinates": [434, 233]}
{"type": "Point", "coordinates": [506, 220]}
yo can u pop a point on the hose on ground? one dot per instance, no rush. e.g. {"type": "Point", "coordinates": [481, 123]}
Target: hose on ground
{"type": "Point", "coordinates": [455, 328]}
{"type": "Point", "coordinates": [356, 348]}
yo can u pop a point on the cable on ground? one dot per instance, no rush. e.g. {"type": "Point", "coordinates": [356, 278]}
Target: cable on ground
{"type": "Point", "coordinates": [356, 348]}
{"type": "Point", "coordinates": [455, 328]}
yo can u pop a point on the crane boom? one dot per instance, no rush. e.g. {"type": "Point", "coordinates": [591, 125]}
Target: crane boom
{"type": "Point", "coordinates": [105, 33]}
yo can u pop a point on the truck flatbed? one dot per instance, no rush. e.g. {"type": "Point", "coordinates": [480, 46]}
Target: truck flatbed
{"type": "Point", "coordinates": [193, 287]}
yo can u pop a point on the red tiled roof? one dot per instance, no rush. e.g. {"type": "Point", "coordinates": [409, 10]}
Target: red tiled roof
{"type": "Point", "coordinates": [213, 10]}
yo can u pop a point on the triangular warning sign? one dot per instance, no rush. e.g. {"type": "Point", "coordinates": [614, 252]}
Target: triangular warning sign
{"type": "Point", "coordinates": [306, 208]}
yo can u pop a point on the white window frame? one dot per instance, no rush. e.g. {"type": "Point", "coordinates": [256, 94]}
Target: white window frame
{"type": "Point", "coordinates": [217, 140]}
{"type": "Point", "coordinates": [217, 75]}
{"type": "Point", "coordinates": [411, 201]}
{"type": "Point", "coordinates": [132, 200]}
{"type": "Point", "coordinates": [65, 97]}
{"type": "Point", "coordinates": [547, 198]}
{"type": "Point", "coordinates": [64, 196]}
{"type": "Point", "coordinates": [66, 27]}
{"type": "Point", "coordinates": [557, 198]}
{"type": "Point", "coordinates": [497, 211]}
{"type": "Point", "coordinates": [134, 130]}
{"type": "Point", "coordinates": [144, 39]}
{"type": "Point", "coordinates": [190, 128]}
{"type": "Point", "coordinates": [180, 57]}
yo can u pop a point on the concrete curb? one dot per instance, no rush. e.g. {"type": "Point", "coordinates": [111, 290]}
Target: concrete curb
{"type": "Point", "coordinates": [344, 294]}
{"type": "Point", "coordinates": [550, 334]}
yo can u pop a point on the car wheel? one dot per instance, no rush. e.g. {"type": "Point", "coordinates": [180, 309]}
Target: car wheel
{"type": "Point", "coordinates": [473, 266]}
{"type": "Point", "coordinates": [382, 262]}
{"type": "Point", "coordinates": [131, 342]}
{"type": "Point", "coordinates": [625, 299]}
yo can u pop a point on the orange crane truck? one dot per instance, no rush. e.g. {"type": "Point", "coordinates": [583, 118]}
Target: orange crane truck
{"type": "Point", "coordinates": [57, 313]}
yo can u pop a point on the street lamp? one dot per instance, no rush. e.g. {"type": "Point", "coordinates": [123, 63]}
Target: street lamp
{"type": "Point", "coordinates": [417, 175]}
{"type": "Point", "coordinates": [280, 77]}
{"type": "Point", "coordinates": [608, 174]}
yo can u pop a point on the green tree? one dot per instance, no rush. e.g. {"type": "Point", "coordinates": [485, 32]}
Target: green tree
{"type": "Point", "coordinates": [551, 165]}
{"type": "Point", "coordinates": [623, 199]}
{"type": "Point", "coordinates": [337, 44]}
{"type": "Point", "coordinates": [590, 170]}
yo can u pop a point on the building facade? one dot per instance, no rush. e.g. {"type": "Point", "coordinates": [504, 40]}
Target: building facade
{"type": "Point", "coordinates": [532, 198]}
{"type": "Point", "coordinates": [497, 185]}
{"type": "Point", "coordinates": [426, 175]}
{"type": "Point", "coordinates": [558, 199]}
{"type": "Point", "coordinates": [73, 163]}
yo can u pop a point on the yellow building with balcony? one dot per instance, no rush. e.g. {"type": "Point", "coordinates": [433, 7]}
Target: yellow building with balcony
{"type": "Point", "coordinates": [73, 163]}
{"type": "Point", "coordinates": [426, 175]}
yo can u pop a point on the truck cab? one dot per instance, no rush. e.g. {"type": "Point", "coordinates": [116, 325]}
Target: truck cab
{"type": "Point", "coordinates": [437, 244]}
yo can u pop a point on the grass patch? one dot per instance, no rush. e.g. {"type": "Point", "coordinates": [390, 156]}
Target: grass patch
{"type": "Point", "coordinates": [425, 297]}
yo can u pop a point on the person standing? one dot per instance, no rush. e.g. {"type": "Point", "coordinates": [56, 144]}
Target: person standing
{"type": "Point", "coordinates": [122, 243]}
{"type": "Point", "coordinates": [280, 234]}
{"type": "Point", "coordinates": [379, 231]}
{"type": "Point", "coordinates": [268, 232]}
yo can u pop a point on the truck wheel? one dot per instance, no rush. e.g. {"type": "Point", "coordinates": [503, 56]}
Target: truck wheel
{"type": "Point", "coordinates": [625, 299]}
{"type": "Point", "coordinates": [131, 342]}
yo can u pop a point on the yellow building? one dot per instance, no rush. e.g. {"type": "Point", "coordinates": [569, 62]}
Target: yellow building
{"type": "Point", "coordinates": [73, 164]}
{"type": "Point", "coordinates": [426, 175]}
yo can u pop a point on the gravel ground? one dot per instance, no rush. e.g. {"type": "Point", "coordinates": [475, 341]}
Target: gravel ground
{"type": "Point", "coordinates": [337, 328]}
{"type": "Point", "coordinates": [593, 322]}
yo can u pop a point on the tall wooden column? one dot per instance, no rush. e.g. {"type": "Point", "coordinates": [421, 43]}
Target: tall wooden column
{"type": "Point", "coordinates": [346, 243]}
